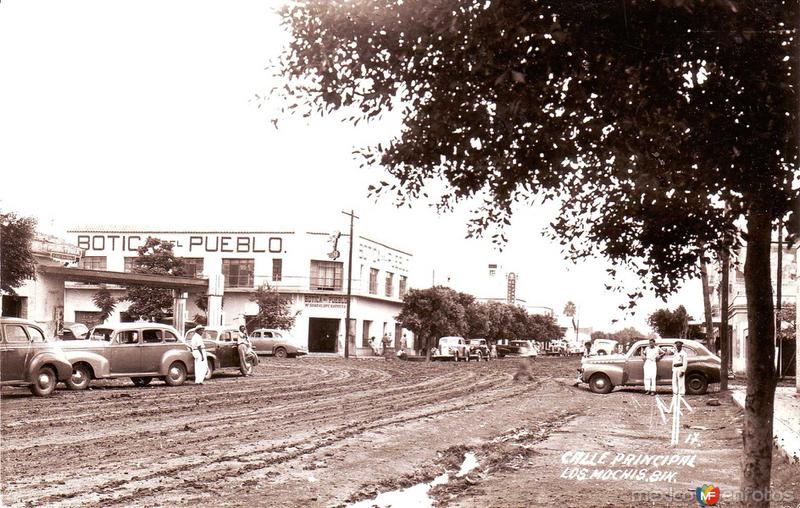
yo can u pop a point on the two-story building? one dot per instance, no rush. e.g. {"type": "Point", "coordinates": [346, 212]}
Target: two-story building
{"type": "Point", "coordinates": [309, 268]}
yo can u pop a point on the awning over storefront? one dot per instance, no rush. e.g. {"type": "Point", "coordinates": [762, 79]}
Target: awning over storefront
{"type": "Point", "coordinates": [124, 278]}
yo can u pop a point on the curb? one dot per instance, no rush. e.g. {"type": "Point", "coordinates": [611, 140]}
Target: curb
{"type": "Point", "coordinates": [785, 438]}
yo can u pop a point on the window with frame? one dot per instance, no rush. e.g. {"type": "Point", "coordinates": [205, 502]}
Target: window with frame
{"type": "Point", "coordinates": [36, 334]}
{"type": "Point", "coordinates": [128, 337]}
{"type": "Point", "coordinates": [130, 264]}
{"type": "Point", "coordinates": [326, 275]}
{"type": "Point", "coordinates": [403, 285]}
{"type": "Point", "coordinates": [93, 262]}
{"type": "Point", "coordinates": [192, 267]}
{"type": "Point", "coordinates": [373, 281]}
{"type": "Point", "coordinates": [169, 336]}
{"type": "Point", "coordinates": [277, 269]}
{"type": "Point", "coordinates": [16, 334]}
{"type": "Point", "coordinates": [238, 273]}
{"type": "Point", "coordinates": [389, 283]}
{"type": "Point", "coordinates": [151, 336]}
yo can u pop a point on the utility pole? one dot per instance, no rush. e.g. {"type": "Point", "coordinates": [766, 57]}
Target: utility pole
{"type": "Point", "coordinates": [349, 287]}
{"type": "Point", "coordinates": [778, 296]}
{"type": "Point", "coordinates": [724, 336]}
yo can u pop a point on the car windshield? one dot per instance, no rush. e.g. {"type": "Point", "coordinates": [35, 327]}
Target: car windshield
{"type": "Point", "coordinates": [210, 334]}
{"type": "Point", "coordinates": [519, 343]}
{"type": "Point", "coordinates": [476, 342]}
{"type": "Point", "coordinates": [101, 334]}
{"type": "Point", "coordinates": [79, 330]}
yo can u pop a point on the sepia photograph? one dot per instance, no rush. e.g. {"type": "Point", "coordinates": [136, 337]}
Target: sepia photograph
{"type": "Point", "coordinates": [399, 253]}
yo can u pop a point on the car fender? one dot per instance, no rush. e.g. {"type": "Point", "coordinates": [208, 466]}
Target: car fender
{"type": "Point", "coordinates": [98, 362]}
{"type": "Point", "coordinates": [63, 368]}
{"type": "Point", "coordinates": [211, 357]}
{"type": "Point", "coordinates": [182, 355]}
{"type": "Point", "coordinates": [615, 372]}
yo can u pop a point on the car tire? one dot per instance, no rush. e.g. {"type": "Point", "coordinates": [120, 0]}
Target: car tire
{"type": "Point", "coordinates": [280, 352]}
{"type": "Point", "coordinates": [600, 383]}
{"type": "Point", "coordinates": [45, 382]}
{"type": "Point", "coordinates": [141, 382]}
{"type": "Point", "coordinates": [176, 374]}
{"type": "Point", "coordinates": [80, 379]}
{"type": "Point", "coordinates": [696, 384]}
{"type": "Point", "coordinates": [480, 356]}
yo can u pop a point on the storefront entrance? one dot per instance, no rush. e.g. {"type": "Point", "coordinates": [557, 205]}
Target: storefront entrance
{"type": "Point", "coordinates": [322, 335]}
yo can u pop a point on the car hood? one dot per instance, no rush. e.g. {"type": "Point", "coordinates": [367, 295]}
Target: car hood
{"type": "Point", "coordinates": [599, 359]}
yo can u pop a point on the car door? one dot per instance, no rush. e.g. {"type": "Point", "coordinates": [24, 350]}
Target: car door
{"type": "Point", "coordinates": [126, 353]}
{"type": "Point", "coordinates": [14, 352]}
{"type": "Point", "coordinates": [664, 368]}
{"type": "Point", "coordinates": [634, 367]}
{"type": "Point", "coordinates": [152, 349]}
{"type": "Point", "coordinates": [226, 349]}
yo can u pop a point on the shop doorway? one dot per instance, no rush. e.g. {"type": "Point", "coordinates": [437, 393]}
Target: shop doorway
{"type": "Point", "coordinates": [323, 335]}
{"type": "Point", "coordinates": [15, 306]}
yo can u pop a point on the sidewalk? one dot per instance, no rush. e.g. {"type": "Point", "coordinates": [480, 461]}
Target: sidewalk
{"type": "Point", "coordinates": [786, 424]}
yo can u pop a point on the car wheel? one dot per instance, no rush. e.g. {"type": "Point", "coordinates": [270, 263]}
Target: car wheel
{"type": "Point", "coordinates": [141, 381]}
{"type": "Point", "coordinates": [176, 374]}
{"type": "Point", "coordinates": [599, 383]}
{"type": "Point", "coordinates": [211, 368]}
{"type": "Point", "coordinates": [80, 379]}
{"type": "Point", "coordinates": [280, 353]}
{"type": "Point", "coordinates": [45, 382]}
{"type": "Point", "coordinates": [480, 356]}
{"type": "Point", "coordinates": [696, 383]}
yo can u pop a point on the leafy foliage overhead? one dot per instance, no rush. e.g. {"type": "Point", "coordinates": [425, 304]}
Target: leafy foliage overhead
{"type": "Point", "coordinates": [16, 258]}
{"type": "Point", "coordinates": [153, 303]}
{"type": "Point", "coordinates": [670, 323]}
{"type": "Point", "coordinates": [625, 112]}
{"type": "Point", "coordinates": [274, 309]}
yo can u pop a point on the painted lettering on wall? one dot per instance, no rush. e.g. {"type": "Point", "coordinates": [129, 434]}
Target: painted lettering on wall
{"type": "Point", "coordinates": [252, 244]}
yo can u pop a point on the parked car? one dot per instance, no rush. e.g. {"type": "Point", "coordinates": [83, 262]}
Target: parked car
{"type": "Point", "coordinates": [558, 347]}
{"type": "Point", "coordinates": [73, 331]}
{"type": "Point", "coordinates": [27, 358]}
{"type": "Point", "coordinates": [269, 341]}
{"type": "Point", "coordinates": [479, 349]}
{"type": "Point", "coordinates": [140, 351]}
{"type": "Point", "coordinates": [603, 373]}
{"type": "Point", "coordinates": [604, 347]}
{"type": "Point", "coordinates": [451, 348]}
{"type": "Point", "coordinates": [517, 348]}
{"type": "Point", "coordinates": [222, 349]}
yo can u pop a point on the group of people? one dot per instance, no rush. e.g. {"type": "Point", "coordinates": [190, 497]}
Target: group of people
{"type": "Point", "coordinates": [652, 354]}
{"type": "Point", "coordinates": [385, 344]}
{"type": "Point", "coordinates": [201, 370]}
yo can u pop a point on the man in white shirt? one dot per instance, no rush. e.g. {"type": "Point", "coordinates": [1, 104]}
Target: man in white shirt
{"type": "Point", "coordinates": [651, 356]}
{"type": "Point", "coordinates": [199, 354]}
{"type": "Point", "coordinates": [679, 359]}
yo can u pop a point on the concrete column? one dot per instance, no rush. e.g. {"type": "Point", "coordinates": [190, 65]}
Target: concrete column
{"type": "Point", "coordinates": [216, 288]}
{"type": "Point", "coordinates": [179, 311]}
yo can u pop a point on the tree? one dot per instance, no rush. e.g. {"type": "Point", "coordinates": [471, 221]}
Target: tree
{"type": "Point", "coordinates": [16, 257]}
{"type": "Point", "coordinates": [543, 328]}
{"type": "Point", "coordinates": [274, 309]}
{"type": "Point", "coordinates": [664, 128]}
{"type": "Point", "coordinates": [668, 323]}
{"type": "Point", "coordinates": [106, 302]}
{"type": "Point", "coordinates": [570, 310]}
{"type": "Point", "coordinates": [153, 303]}
{"type": "Point", "coordinates": [434, 312]}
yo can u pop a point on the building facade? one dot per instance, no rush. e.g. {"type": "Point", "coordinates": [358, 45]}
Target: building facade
{"type": "Point", "coordinates": [308, 268]}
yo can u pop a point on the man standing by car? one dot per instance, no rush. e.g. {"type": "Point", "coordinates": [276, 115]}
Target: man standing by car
{"type": "Point", "coordinates": [679, 369]}
{"type": "Point", "coordinates": [587, 352]}
{"type": "Point", "coordinates": [245, 348]}
{"type": "Point", "coordinates": [651, 356]}
{"type": "Point", "coordinates": [199, 354]}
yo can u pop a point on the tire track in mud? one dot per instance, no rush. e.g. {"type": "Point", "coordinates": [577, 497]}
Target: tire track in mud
{"type": "Point", "coordinates": [320, 416]}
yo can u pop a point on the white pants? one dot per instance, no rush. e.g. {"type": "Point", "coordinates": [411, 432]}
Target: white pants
{"type": "Point", "coordinates": [200, 367]}
{"type": "Point", "coordinates": [650, 371]}
{"type": "Point", "coordinates": [678, 381]}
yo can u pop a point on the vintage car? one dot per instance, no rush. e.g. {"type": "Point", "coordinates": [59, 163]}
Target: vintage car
{"type": "Point", "coordinates": [269, 341]}
{"type": "Point", "coordinates": [479, 349]}
{"type": "Point", "coordinates": [27, 358]}
{"type": "Point", "coordinates": [140, 351]}
{"type": "Point", "coordinates": [73, 331]}
{"type": "Point", "coordinates": [451, 348]}
{"type": "Point", "coordinates": [604, 372]}
{"type": "Point", "coordinates": [517, 348]}
{"type": "Point", "coordinates": [222, 349]}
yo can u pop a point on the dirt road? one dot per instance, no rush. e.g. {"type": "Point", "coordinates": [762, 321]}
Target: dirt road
{"type": "Point", "coordinates": [329, 432]}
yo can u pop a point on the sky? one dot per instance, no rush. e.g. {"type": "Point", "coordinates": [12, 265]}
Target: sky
{"type": "Point", "coordinates": [146, 114]}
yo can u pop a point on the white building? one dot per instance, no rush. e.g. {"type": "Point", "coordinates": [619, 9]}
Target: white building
{"type": "Point", "coordinates": [310, 268]}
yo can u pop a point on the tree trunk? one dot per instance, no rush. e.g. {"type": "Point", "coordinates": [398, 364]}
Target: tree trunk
{"type": "Point", "coordinates": [428, 348]}
{"type": "Point", "coordinates": [759, 403]}
{"type": "Point", "coordinates": [724, 333]}
{"type": "Point", "coordinates": [707, 306]}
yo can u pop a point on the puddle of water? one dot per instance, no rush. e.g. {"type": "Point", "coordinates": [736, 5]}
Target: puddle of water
{"type": "Point", "coordinates": [416, 496]}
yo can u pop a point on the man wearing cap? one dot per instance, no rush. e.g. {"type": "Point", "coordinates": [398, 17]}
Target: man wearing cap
{"type": "Point", "coordinates": [679, 369]}
{"type": "Point", "coordinates": [199, 354]}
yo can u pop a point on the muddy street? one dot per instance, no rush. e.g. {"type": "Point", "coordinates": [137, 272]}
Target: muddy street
{"type": "Point", "coordinates": [328, 432]}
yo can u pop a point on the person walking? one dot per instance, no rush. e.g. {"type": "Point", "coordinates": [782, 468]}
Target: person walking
{"type": "Point", "coordinates": [679, 369]}
{"type": "Point", "coordinates": [247, 357]}
{"type": "Point", "coordinates": [199, 354]}
{"type": "Point", "coordinates": [652, 355]}
{"type": "Point", "coordinates": [385, 341]}
{"type": "Point", "coordinates": [403, 343]}
{"type": "Point", "coordinates": [587, 352]}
